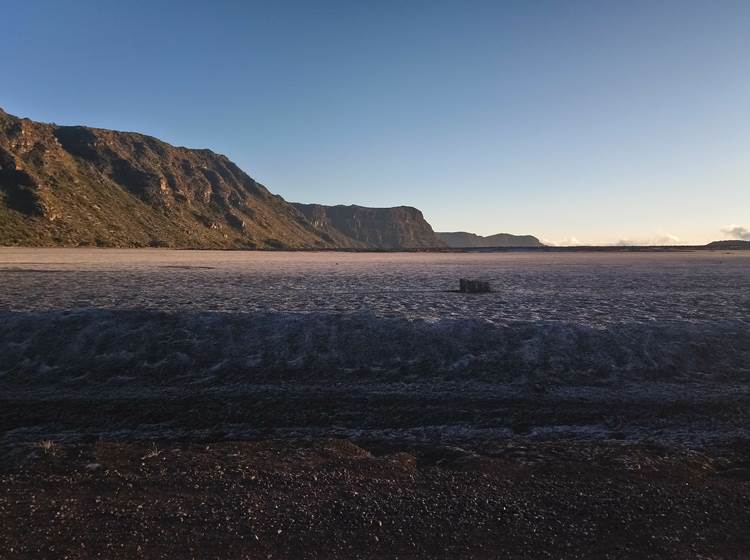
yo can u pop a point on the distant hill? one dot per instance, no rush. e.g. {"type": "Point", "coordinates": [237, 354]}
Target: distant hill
{"type": "Point", "coordinates": [78, 186]}
{"type": "Point", "coordinates": [729, 244]}
{"type": "Point", "coordinates": [462, 239]}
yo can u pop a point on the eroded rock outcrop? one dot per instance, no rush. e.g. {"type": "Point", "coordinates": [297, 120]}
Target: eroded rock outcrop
{"type": "Point", "coordinates": [381, 228]}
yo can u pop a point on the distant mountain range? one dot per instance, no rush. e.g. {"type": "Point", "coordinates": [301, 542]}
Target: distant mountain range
{"type": "Point", "coordinates": [729, 244]}
{"type": "Point", "coordinates": [80, 186]}
{"type": "Point", "coordinates": [464, 240]}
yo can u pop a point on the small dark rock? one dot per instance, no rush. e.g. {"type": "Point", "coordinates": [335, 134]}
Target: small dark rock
{"type": "Point", "coordinates": [467, 286]}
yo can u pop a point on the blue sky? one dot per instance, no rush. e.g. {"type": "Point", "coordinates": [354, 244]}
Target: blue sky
{"type": "Point", "coordinates": [597, 121]}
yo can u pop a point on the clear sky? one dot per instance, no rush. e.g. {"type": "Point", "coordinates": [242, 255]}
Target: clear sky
{"type": "Point", "coordinates": [597, 121]}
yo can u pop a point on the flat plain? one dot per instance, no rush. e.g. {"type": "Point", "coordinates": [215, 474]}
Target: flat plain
{"type": "Point", "coordinates": [593, 405]}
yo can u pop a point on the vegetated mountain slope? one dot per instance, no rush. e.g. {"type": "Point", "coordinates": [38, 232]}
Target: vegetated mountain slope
{"type": "Point", "coordinates": [72, 185]}
{"type": "Point", "coordinates": [462, 239]}
{"type": "Point", "coordinates": [383, 228]}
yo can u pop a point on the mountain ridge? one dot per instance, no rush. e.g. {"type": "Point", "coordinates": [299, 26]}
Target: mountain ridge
{"type": "Point", "coordinates": [75, 185]}
{"type": "Point", "coordinates": [466, 240]}
{"type": "Point", "coordinates": [737, 244]}
{"type": "Point", "coordinates": [84, 186]}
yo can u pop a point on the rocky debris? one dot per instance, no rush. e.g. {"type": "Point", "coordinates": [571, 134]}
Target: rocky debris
{"type": "Point", "coordinates": [50, 348]}
{"type": "Point", "coordinates": [336, 499]}
{"type": "Point", "coordinates": [46, 348]}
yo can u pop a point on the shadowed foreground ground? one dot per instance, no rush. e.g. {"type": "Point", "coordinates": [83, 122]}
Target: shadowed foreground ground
{"type": "Point", "coordinates": [335, 499]}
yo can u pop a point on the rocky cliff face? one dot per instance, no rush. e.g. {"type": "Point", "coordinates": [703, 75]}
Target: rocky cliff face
{"type": "Point", "coordinates": [382, 228]}
{"type": "Point", "coordinates": [464, 240]}
{"type": "Point", "coordinates": [71, 186]}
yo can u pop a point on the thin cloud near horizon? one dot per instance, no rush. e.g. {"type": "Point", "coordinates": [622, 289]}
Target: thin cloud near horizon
{"type": "Point", "coordinates": [573, 241]}
{"type": "Point", "coordinates": [737, 232]}
{"type": "Point", "coordinates": [733, 231]}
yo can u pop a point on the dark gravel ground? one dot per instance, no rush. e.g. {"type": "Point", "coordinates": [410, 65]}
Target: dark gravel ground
{"type": "Point", "coordinates": [424, 412]}
{"type": "Point", "coordinates": [335, 499]}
